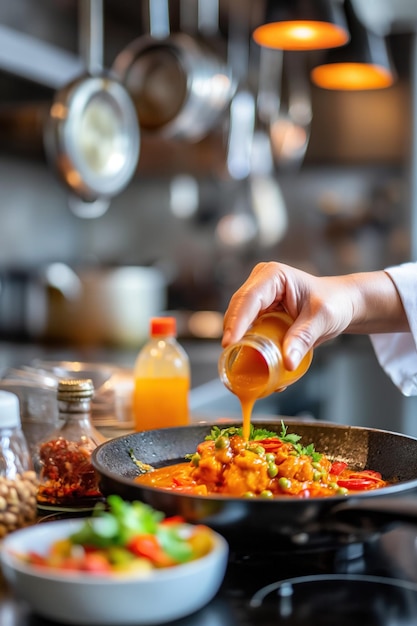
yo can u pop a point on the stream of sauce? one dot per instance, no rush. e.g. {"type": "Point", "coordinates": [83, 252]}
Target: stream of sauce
{"type": "Point", "coordinates": [249, 377]}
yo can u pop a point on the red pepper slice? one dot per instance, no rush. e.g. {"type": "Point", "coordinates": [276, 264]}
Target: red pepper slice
{"type": "Point", "coordinates": [338, 467]}
{"type": "Point", "coordinates": [270, 444]}
{"type": "Point", "coordinates": [356, 484]}
{"type": "Point", "coordinates": [369, 474]}
{"type": "Point", "coordinates": [178, 481]}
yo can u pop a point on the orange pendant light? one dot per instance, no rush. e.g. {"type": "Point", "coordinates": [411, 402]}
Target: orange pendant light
{"type": "Point", "coordinates": [362, 64]}
{"type": "Point", "coordinates": [302, 25]}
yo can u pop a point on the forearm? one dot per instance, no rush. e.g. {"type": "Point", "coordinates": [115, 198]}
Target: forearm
{"type": "Point", "coordinates": [378, 307]}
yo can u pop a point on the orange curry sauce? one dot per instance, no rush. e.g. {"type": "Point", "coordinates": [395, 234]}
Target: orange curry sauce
{"type": "Point", "coordinates": [232, 466]}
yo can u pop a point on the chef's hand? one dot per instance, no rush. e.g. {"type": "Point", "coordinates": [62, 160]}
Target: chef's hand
{"type": "Point", "coordinates": [322, 307]}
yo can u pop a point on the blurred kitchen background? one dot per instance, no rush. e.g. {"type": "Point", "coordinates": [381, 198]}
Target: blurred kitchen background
{"type": "Point", "coordinates": [330, 190]}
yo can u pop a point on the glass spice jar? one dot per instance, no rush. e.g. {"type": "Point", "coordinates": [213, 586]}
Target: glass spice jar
{"type": "Point", "coordinates": [67, 479]}
{"type": "Point", "coordinates": [18, 482]}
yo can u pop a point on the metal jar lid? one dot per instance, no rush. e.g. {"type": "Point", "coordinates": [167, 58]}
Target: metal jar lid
{"type": "Point", "coordinates": [72, 390]}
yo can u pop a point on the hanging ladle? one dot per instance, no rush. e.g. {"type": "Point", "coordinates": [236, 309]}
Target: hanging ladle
{"type": "Point", "coordinates": [290, 126]}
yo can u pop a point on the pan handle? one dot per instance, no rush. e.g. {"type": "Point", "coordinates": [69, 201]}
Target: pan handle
{"type": "Point", "coordinates": [375, 514]}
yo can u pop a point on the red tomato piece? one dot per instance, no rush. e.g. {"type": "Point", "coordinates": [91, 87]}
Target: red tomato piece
{"type": "Point", "coordinates": [148, 546]}
{"type": "Point", "coordinates": [95, 563]}
{"type": "Point", "coordinates": [338, 467]}
{"type": "Point", "coordinates": [174, 519]}
{"type": "Point", "coordinates": [37, 559]}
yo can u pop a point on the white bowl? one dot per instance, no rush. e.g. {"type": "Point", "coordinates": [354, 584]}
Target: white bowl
{"type": "Point", "coordinates": [78, 598]}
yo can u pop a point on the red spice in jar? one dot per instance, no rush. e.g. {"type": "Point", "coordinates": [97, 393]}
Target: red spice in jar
{"type": "Point", "coordinates": [67, 472]}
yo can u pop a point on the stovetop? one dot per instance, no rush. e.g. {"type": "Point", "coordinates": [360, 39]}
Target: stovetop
{"type": "Point", "coordinates": [370, 584]}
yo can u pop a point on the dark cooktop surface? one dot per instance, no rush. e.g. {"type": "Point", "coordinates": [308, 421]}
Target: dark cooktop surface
{"type": "Point", "coordinates": [371, 584]}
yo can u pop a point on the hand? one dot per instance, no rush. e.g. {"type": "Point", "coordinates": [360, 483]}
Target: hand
{"type": "Point", "coordinates": [321, 307]}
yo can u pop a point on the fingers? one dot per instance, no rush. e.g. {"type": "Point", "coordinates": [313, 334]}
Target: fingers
{"type": "Point", "coordinates": [263, 288]}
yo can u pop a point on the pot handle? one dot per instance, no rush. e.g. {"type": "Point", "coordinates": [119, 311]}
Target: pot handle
{"type": "Point", "coordinates": [375, 513]}
{"type": "Point", "coordinates": [91, 35]}
{"type": "Point", "coordinates": [159, 23]}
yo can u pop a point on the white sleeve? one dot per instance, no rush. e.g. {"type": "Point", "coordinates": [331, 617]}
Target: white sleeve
{"type": "Point", "coordinates": [397, 352]}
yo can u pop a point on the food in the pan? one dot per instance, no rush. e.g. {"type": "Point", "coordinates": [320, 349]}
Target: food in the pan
{"type": "Point", "coordinates": [266, 465]}
{"type": "Point", "coordinates": [128, 538]}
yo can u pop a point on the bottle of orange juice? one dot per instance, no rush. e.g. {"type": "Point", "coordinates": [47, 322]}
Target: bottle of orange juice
{"type": "Point", "coordinates": [253, 367]}
{"type": "Point", "coordinates": [161, 379]}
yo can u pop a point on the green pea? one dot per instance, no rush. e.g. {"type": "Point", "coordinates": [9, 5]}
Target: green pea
{"type": "Point", "coordinates": [266, 494]}
{"type": "Point", "coordinates": [249, 494]}
{"type": "Point", "coordinates": [195, 459]}
{"type": "Point", "coordinates": [316, 476]}
{"type": "Point", "coordinates": [272, 470]}
{"type": "Point", "coordinates": [342, 491]}
{"type": "Point", "coordinates": [259, 450]}
{"type": "Point", "coordinates": [222, 443]}
{"type": "Point", "coordinates": [316, 465]}
{"type": "Point", "coordinates": [269, 457]}
{"type": "Point", "coordinates": [284, 483]}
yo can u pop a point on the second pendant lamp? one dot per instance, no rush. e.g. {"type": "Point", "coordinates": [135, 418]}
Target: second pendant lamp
{"type": "Point", "coordinates": [364, 63]}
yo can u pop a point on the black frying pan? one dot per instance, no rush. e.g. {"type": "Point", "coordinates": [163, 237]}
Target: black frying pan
{"type": "Point", "coordinates": [314, 522]}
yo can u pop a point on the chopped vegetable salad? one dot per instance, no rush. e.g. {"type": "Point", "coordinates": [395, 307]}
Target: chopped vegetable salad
{"type": "Point", "coordinates": [126, 537]}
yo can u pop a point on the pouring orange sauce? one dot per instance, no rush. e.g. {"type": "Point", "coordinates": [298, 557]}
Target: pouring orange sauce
{"type": "Point", "coordinates": [248, 378]}
{"type": "Point", "coordinates": [241, 462]}
{"type": "Point", "coordinates": [253, 367]}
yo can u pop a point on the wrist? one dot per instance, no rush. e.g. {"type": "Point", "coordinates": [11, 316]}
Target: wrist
{"type": "Point", "coordinates": [377, 306]}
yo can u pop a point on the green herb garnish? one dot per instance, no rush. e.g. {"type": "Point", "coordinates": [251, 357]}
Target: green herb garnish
{"type": "Point", "coordinates": [254, 434]}
{"type": "Point", "coordinates": [117, 525]}
{"type": "Point", "coordinates": [257, 434]}
{"type": "Point", "coordinates": [293, 439]}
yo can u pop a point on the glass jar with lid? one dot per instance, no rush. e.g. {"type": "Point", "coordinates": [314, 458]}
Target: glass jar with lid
{"type": "Point", "coordinates": [63, 460]}
{"type": "Point", "coordinates": [18, 481]}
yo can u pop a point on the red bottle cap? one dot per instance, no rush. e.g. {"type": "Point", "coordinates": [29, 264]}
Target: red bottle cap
{"type": "Point", "coordinates": [163, 326]}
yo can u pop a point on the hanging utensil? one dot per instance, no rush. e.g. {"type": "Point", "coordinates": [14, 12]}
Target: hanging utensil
{"type": "Point", "coordinates": [290, 126]}
{"type": "Point", "coordinates": [268, 201]}
{"type": "Point", "coordinates": [179, 86]}
{"type": "Point", "coordinates": [92, 135]}
{"type": "Point", "coordinates": [242, 109]}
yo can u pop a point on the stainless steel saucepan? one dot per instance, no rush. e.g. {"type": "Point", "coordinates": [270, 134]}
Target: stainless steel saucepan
{"type": "Point", "coordinates": [180, 87]}
{"type": "Point", "coordinates": [92, 134]}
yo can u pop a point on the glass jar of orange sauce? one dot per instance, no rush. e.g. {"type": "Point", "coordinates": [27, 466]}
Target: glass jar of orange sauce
{"type": "Point", "coordinates": [253, 367]}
